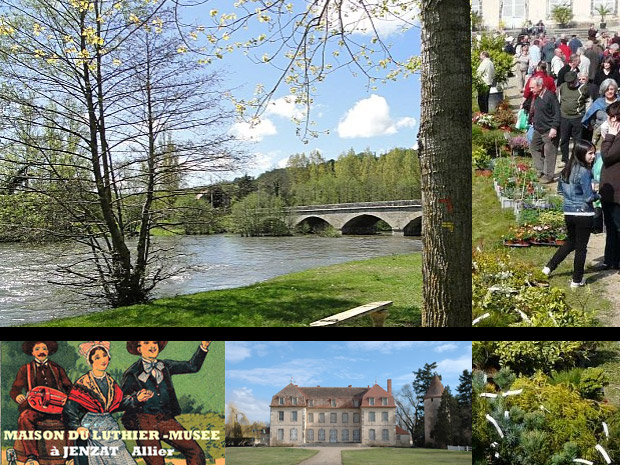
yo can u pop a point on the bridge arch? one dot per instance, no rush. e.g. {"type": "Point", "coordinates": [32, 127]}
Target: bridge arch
{"type": "Point", "coordinates": [414, 227]}
{"type": "Point", "coordinates": [312, 225]}
{"type": "Point", "coordinates": [363, 224]}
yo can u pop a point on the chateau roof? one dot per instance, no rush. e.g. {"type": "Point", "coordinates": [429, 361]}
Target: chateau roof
{"type": "Point", "coordinates": [435, 389]}
{"type": "Point", "coordinates": [322, 397]}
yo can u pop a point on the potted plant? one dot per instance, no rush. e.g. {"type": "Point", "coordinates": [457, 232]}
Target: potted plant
{"type": "Point", "coordinates": [518, 145]}
{"type": "Point", "coordinates": [510, 238]}
{"type": "Point", "coordinates": [603, 11]}
{"type": "Point", "coordinates": [560, 238]}
{"type": "Point", "coordinates": [562, 14]}
{"type": "Point", "coordinates": [482, 161]}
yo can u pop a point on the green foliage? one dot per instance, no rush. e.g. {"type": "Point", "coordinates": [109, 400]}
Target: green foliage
{"type": "Point", "coordinates": [563, 14]}
{"type": "Point", "coordinates": [545, 424]}
{"type": "Point", "coordinates": [502, 61]}
{"type": "Point", "coordinates": [260, 215]}
{"type": "Point", "coordinates": [480, 158]}
{"type": "Point", "coordinates": [526, 357]}
{"type": "Point", "coordinates": [196, 216]}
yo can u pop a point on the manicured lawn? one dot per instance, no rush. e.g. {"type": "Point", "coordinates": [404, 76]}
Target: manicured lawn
{"type": "Point", "coordinates": [397, 456]}
{"type": "Point", "coordinates": [292, 300]}
{"type": "Point", "coordinates": [267, 455]}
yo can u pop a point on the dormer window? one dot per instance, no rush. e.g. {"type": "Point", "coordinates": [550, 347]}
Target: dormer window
{"type": "Point", "coordinates": [384, 401]}
{"type": "Point", "coordinates": [311, 403]}
{"type": "Point", "coordinates": [333, 402]}
{"type": "Point", "coordinates": [371, 401]}
{"type": "Point", "coordinates": [294, 400]}
{"type": "Point", "coordinates": [356, 402]}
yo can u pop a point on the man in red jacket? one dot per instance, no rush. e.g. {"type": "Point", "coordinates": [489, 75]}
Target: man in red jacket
{"type": "Point", "coordinates": [39, 372]}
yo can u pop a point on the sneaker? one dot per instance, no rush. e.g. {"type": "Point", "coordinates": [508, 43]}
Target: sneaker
{"type": "Point", "coordinates": [573, 284]}
{"type": "Point", "coordinates": [546, 271]}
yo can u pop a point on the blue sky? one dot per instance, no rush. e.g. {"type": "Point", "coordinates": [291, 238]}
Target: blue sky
{"type": "Point", "coordinates": [356, 116]}
{"type": "Point", "coordinates": [255, 371]}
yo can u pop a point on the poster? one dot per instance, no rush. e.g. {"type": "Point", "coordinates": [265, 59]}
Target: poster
{"type": "Point", "coordinates": [112, 402]}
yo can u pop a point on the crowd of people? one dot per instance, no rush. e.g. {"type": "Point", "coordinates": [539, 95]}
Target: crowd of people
{"type": "Point", "coordinates": [570, 94]}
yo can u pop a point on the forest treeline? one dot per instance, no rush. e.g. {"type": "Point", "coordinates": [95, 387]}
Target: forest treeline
{"type": "Point", "coordinates": [246, 205]}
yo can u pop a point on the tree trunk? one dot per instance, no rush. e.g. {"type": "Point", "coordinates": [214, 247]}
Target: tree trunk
{"type": "Point", "coordinates": [445, 159]}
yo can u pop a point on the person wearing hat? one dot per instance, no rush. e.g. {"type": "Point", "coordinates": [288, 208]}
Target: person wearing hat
{"type": "Point", "coordinates": [41, 371]}
{"type": "Point", "coordinates": [572, 95]}
{"type": "Point", "coordinates": [158, 413]}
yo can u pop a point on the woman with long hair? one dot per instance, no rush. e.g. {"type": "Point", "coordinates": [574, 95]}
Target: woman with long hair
{"type": "Point", "coordinates": [92, 400]}
{"type": "Point", "coordinates": [576, 186]}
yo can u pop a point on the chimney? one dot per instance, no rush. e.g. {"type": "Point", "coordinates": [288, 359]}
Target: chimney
{"type": "Point", "coordinates": [389, 386]}
{"type": "Point", "coordinates": [349, 385]}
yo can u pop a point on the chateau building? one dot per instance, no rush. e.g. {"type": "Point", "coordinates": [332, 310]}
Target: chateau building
{"type": "Point", "coordinates": [346, 415]}
{"type": "Point", "coordinates": [432, 400]}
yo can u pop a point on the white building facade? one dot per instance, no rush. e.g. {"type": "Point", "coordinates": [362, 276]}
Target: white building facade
{"type": "Point", "coordinates": [315, 415]}
{"type": "Point", "coordinates": [515, 13]}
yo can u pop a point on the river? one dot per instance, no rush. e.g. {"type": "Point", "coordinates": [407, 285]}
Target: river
{"type": "Point", "coordinates": [212, 262]}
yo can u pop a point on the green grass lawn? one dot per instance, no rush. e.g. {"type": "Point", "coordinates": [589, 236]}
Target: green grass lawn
{"type": "Point", "coordinates": [267, 455]}
{"type": "Point", "coordinates": [292, 300]}
{"type": "Point", "coordinates": [490, 221]}
{"type": "Point", "coordinates": [396, 456]}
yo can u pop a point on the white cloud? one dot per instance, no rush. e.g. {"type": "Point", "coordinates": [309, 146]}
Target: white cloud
{"type": "Point", "coordinates": [454, 366]}
{"type": "Point", "coordinates": [254, 132]}
{"type": "Point", "coordinates": [254, 408]}
{"type": "Point", "coordinates": [370, 118]}
{"type": "Point", "coordinates": [406, 122]}
{"type": "Point", "coordinates": [446, 347]}
{"type": "Point", "coordinates": [305, 372]}
{"type": "Point", "coordinates": [286, 107]}
{"type": "Point", "coordinates": [237, 351]}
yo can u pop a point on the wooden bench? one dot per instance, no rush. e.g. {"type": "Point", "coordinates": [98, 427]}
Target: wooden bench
{"type": "Point", "coordinates": [376, 310]}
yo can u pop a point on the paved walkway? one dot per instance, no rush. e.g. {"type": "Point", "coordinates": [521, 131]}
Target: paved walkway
{"type": "Point", "coordinates": [328, 455]}
{"type": "Point", "coordinates": [596, 245]}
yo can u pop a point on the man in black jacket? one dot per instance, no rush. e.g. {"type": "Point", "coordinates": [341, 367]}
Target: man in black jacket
{"type": "Point", "coordinates": [159, 412]}
{"type": "Point", "coordinates": [546, 121]}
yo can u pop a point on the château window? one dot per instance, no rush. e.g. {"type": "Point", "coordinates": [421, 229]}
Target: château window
{"type": "Point", "coordinates": [310, 435]}
{"type": "Point", "coordinates": [371, 416]}
{"type": "Point", "coordinates": [371, 434]}
{"type": "Point", "coordinates": [385, 435]}
{"type": "Point", "coordinates": [280, 416]}
{"type": "Point", "coordinates": [321, 418]}
{"type": "Point", "coordinates": [356, 435]}
{"type": "Point", "coordinates": [321, 435]}
{"type": "Point", "coordinates": [356, 418]}
{"type": "Point", "coordinates": [293, 434]}
{"type": "Point", "coordinates": [281, 400]}
{"type": "Point", "coordinates": [345, 418]}
{"type": "Point", "coordinates": [371, 401]}
{"type": "Point", "coordinates": [293, 416]}
{"type": "Point", "coordinates": [345, 435]}
{"type": "Point", "coordinates": [333, 417]}
{"type": "Point", "coordinates": [384, 416]}
{"type": "Point", "coordinates": [311, 418]}
{"type": "Point", "coordinates": [280, 435]}
{"type": "Point", "coordinates": [384, 401]}
{"type": "Point", "coordinates": [333, 402]}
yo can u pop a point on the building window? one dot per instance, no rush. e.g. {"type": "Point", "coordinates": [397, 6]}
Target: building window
{"type": "Point", "coordinates": [345, 435]}
{"type": "Point", "coordinates": [371, 416]}
{"type": "Point", "coordinates": [294, 400]}
{"type": "Point", "coordinates": [385, 435]}
{"type": "Point", "coordinates": [345, 418]}
{"type": "Point", "coordinates": [384, 401]}
{"type": "Point", "coordinates": [293, 416]}
{"type": "Point", "coordinates": [384, 416]}
{"type": "Point", "coordinates": [333, 435]}
{"type": "Point", "coordinates": [356, 402]}
{"type": "Point", "coordinates": [371, 434]}
{"type": "Point", "coordinates": [281, 400]}
{"type": "Point", "coordinates": [513, 13]}
{"type": "Point", "coordinates": [310, 435]}
{"type": "Point", "coordinates": [321, 418]}
{"type": "Point", "coordinates": [476, 6]}
{"type": "Point", "coordinates": [280, 435]}
{"type": "Point", "coordinates": [280, 416]}
{"type": "Point", "coordinates": [311, 403]}
{"type": "Point", "coordinates": [356, 435]}
{"type": "Point", "coordinates": [333, 402]}
{"type": "Point", "coordinates": [371, 401]}
{"type": "Point", "coordinates": [333, 418]}
{"type": "Point", "coordinates": [311, 418]}
{"type": "Point", "coordinates": [321, 435]}
{"type": "Point", "coordinates": [356, 418]}
{"type": "Point", "coordinates": [294, 434]}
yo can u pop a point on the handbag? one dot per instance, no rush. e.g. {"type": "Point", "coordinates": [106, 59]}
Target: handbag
{"type": "Point", "coordinates": [521, 119]}
{"type": "Point", "coordinates": [530, 134]}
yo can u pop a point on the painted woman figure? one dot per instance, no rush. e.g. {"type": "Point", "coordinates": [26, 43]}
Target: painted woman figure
{"type": "Point", "coordinates": [93, 399]}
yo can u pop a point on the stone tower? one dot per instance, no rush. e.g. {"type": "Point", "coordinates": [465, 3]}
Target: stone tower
{"type": "Point", "coordinates": [432, 399]}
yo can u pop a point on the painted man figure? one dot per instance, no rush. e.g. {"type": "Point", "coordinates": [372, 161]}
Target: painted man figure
{"type": "Point", "coordinates": [41, 371]}
{"type": "Point", "coordinates": [159, 412]}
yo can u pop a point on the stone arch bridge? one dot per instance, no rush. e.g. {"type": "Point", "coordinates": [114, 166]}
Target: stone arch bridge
{"type": "Point", "coordinates": [403, 216]}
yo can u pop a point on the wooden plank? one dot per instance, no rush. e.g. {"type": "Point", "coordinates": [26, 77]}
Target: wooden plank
{"type": "Point", "coordinates": [353, 313]}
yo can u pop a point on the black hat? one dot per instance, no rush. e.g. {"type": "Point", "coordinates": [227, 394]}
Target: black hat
{"type": "Point", "coordinates": [132, 346]}
{"type": "Point", "coordinates": [570, 77]}
{"type": "Point", "coordinates": [52, 346]}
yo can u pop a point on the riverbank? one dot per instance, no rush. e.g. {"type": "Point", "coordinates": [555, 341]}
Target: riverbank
{"type": "Point", "coordinates": [295, 299]}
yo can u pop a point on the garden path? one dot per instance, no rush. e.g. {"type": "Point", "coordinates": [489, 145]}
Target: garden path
{"type": "Point", "coordinates": [327, 456]}
{"type": "Point", "coordinates": [596, 246]}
